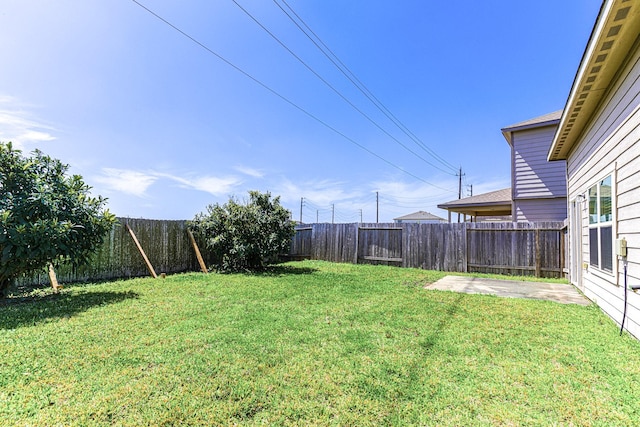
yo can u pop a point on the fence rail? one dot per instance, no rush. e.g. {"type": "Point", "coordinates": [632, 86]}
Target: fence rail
{"type": "Point", "coordinates": [503, 248]}
{"type": "Point", "coordinates": [165, 242]}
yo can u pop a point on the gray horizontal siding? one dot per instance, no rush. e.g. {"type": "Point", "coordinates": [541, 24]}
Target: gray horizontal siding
{"type": "Point", "coordinates": [540, 210]}
{"type": "Point", "coordinates": [533, 175]}
{"type": "Point", "coordinates": [610, 145]}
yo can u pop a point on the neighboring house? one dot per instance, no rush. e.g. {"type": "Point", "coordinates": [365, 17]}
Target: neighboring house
{"type": "Point", "coordinates": [420, 217]}
{"type": "Point", "coordinates": [492, 206]}
{"type": "Point", "coordinates": [538, 187]}
{"type": "Point", "coordinates": [598, 136]}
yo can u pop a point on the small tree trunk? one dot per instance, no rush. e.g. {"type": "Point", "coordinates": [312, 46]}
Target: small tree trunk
{"type": "Point", "coordinates": [4, 287]}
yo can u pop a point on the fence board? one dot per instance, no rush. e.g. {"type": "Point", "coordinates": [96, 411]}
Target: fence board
{"type": "Point", "coordinates": [165, 242]}
{"type": "Point", "coordinates": [503, 248]}
{"type": "Point", "coordinates": [506, 248]}
{"type": "Point", "coordinates": [516, 248]}
{"type": "Point", "coordinates": [380, 245]}
{"type": "Point", "coordinates": [301, 244]}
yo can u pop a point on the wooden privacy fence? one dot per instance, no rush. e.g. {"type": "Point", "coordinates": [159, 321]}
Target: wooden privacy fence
{"type": "Point", "coordinates": [504, 248]}
{"type": "Point", "coordinates": [166, 244]}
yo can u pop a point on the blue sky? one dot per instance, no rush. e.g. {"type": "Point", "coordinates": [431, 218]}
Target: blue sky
{"type": "Point", "coordinates": [162, 127]}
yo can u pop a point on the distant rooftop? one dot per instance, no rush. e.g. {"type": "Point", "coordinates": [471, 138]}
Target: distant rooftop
{"type": "Point", "coordinates": [493, 197]}
{"type": "Point", "coordinates": [419, 216]}
{"type": "Point", "coordinates": [493, 203]}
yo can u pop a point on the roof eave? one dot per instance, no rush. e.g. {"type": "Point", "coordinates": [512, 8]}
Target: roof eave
{"type": "Point", "coordinates": [471, 205]}
{"type": "Point", "coordinates": [614, 33]}
{"type": "Point", "coordinates": [508, 131]}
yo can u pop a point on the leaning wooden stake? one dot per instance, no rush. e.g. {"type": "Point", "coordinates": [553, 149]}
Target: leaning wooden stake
{"type": "Point", "coordinates": [203, 267]}
{"type": "Point", "coordinates": [146, 260]}
{"type": "Point", "coordinates": [53, 279]}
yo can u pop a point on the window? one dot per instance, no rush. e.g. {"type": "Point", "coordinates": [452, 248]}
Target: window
{"type": "Point", "coordinates": [601, 225]}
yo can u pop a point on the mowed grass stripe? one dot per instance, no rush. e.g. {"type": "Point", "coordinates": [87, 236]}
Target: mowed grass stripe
{"type": "Point", "coordinates": [310, 343]}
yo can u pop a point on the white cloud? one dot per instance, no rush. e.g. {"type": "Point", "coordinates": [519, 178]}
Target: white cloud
{"type": "Point", "coordinates": [35, 136]}
{"type": "Point", "coordinates": [321, 193]}
{"type": "Point", "coordinates": [126, 181]}
{"type": "Point", "coordinates": [136, 182]}
{"type": "Point", "coordinates": [214, 185]}
{"type": "Point", "coordinates": [19, 127]}
{"type": "Point", "coordinates": [250, 171]}
{"type": "Point", "coordinates": [217, 186]}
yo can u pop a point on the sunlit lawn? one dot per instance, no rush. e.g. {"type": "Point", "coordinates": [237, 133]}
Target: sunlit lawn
{"type": "Point", "coordinates": [311, 343]}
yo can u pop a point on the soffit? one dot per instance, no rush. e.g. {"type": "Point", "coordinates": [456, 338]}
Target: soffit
{"type": "Point", "coordinates": [615, 32]}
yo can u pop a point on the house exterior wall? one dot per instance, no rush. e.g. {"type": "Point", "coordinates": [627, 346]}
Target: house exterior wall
{"type": "Point", "coordinates": [610, 146]}
{"type": "Point", "coordinates": [539, 187]}
{"type": "Point", "coordinates": [540, 209]}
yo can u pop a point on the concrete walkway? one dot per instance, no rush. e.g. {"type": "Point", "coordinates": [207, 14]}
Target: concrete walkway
{"type": "Point", "coordinates": [558, 292]}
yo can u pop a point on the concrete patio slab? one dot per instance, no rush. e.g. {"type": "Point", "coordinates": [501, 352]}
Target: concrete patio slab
{"type": "Point", "coordinates": [558, 292]}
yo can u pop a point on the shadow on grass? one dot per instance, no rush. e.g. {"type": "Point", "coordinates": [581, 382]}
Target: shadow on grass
{"type": "Point", "coordinates": [432, 339]}
{"type": "Point", "coordinates": [31, 311]}
{"type": "Point", "coordinates": [277, 270]}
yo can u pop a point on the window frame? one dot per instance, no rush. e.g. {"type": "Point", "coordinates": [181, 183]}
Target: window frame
{"type": "Point", "coordinates": [598, 221]}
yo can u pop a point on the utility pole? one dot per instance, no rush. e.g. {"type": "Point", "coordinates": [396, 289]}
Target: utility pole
{"type": "Point", "coordinates": [333, 211]}
{"type": "Point", "coordinates": [317, 215]}
{"type": "Point", "coordinates": [377, 207]}
{"type": "Point", "coordinates": [360, 215]}
{"type": "Point", "coordinates": [470, 189]}
{"type": "Point", "coordinates": [460, 188]}
{"type": "Point", "coordinates": [301, 203]}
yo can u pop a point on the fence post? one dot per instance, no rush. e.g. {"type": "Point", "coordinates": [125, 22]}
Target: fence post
{"type": "Point", "coordinates": [538, 254]}
{"type": "Point", "coordinates": [357, 237]}
{"type": "Point", "coordinates": [465, 239]}
{"type": "Point", "coordinates": [562, 236]}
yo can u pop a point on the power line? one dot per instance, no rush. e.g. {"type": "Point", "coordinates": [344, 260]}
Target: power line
{"type": "Point", "coordinates": [282, 97]}
{"type": "Point", "coordinates": [414, 199]}
{"type": "Point", "coordinates": [330, 55]}
{"type": "Point", "coordinates": [336, 91]}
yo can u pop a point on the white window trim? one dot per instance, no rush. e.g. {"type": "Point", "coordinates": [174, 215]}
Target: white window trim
{"type": "Point", "coordinates": [609, 276]}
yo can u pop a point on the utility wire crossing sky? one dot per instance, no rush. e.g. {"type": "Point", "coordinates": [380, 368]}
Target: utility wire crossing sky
{"type": "Point", "coordinates": [167, 107]}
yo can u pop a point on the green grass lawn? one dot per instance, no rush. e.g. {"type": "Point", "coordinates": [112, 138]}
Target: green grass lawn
{"type": "Point", "coordinates": [311, 343]}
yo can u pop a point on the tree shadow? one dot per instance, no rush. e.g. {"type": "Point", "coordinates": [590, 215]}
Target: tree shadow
{"type": "Point", "coordinates": [33, 310]}
{"type": "Point", "coordinates": [283, 270]}
{"type": "Point", "coordinates": [274, 270]}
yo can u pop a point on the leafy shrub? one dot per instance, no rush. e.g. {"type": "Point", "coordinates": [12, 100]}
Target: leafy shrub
{"type": "Point", "coordinates": [246, 236]}
{"type": "Point", "coordinates": [45, 215]}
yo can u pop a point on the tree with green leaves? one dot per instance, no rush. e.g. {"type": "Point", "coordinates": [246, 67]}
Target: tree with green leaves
{"type": "Point", "coordinates": [245, 236]}
{"type": "Point", "coordinates": [46, 216]}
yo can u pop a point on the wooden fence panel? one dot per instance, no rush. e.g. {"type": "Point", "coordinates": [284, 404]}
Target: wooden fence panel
{"type": "Point", "coordinates": [435, 246]}
{"type": "Point", "coordinates": [455, 247]}
{"type": "Point", "coordinates": [503, 248]}
{"type": "Point", "coordinates": [379, 245]}
{"type": "Point", "coordinates": [506, 248]}
{"type": "Point", "coordinates": [330, 242]}
{"type": "Point", "coordinates": [165, 242]}
{"type": "Point", "coordinates": [348, 243]}
{"type": "Point", "coordinates": [516, 248]}
{"type": "Point", "coordinates": [301, 247]}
